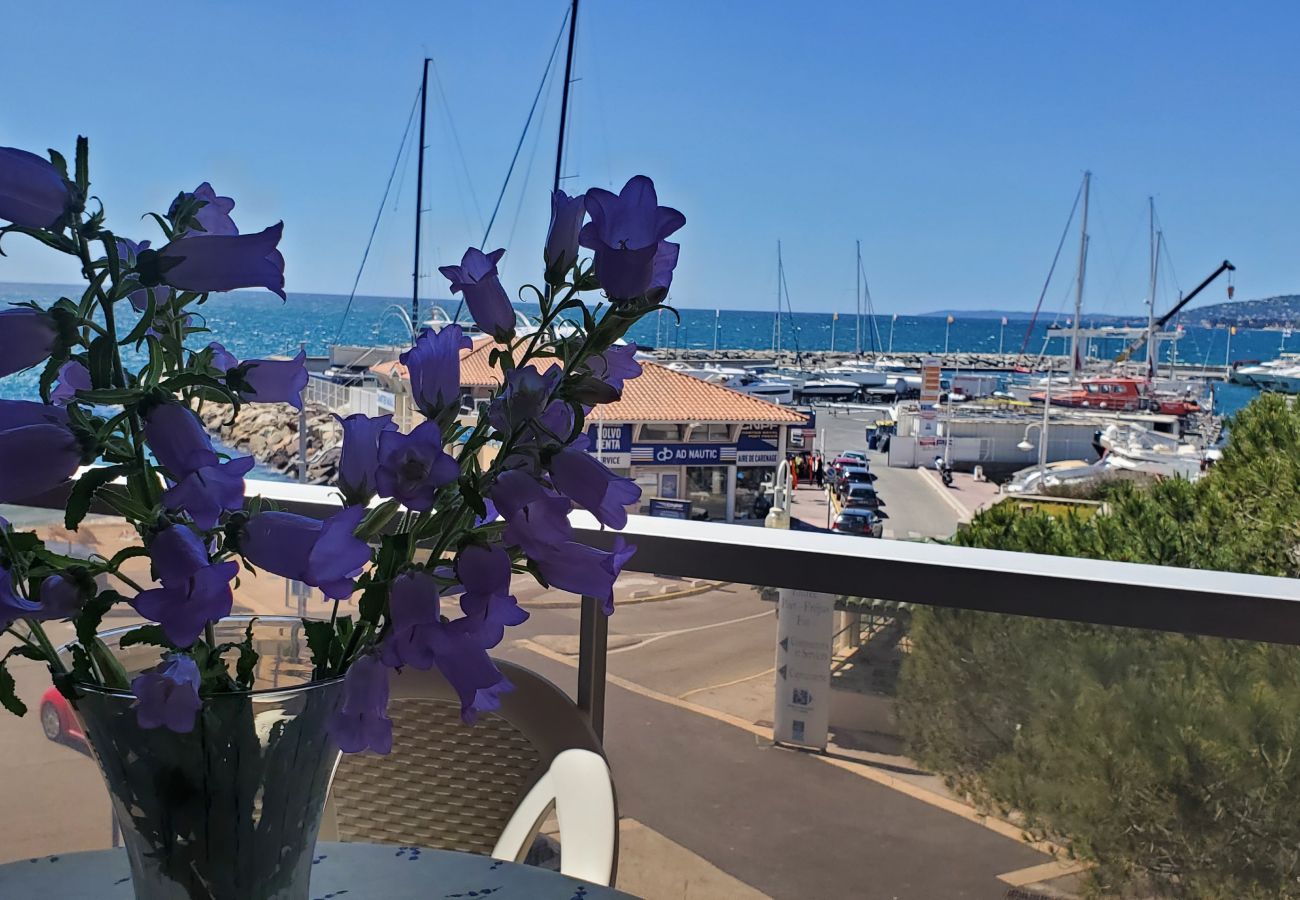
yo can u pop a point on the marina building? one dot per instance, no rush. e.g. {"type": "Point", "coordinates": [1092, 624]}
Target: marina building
{"type": "Point", "coordinates": [700, 449]}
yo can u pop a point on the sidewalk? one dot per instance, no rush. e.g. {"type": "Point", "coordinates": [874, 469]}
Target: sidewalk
{"type": "Point", "coordinates": [967, 496]}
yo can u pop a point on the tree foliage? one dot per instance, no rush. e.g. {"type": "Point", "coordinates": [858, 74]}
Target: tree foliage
{"type": "Point", "coordinates": [1168, 761]}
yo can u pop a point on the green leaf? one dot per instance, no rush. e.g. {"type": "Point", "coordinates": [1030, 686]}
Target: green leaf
{"type": "Point", "coordinates": [9, 693]}
{"type": "Point", "coordinates": [59, 162]}
{"type": "Point", "coordinates": [49, 375]}
{"type": "Point", "coordinates": [146, 634]}
{"type": "Point", "coordinates": [123, 555]}
{"type": "Point", "coordinates": [246, 665]}
{"type": "Point", "coordinates": [100, 359]}
{"type": "Point", "coordinates": [146, 321]}
{"type": "Point", "coordinates": [110, 252]}
{"type": "Point", "coordinates": [83, 493]}
{"type": "Point", "coordinates": [109, 396]}
{"type": "Point", "coordinates": [57, 241]}
{"type": "Point", "coordinates": [320, 641]}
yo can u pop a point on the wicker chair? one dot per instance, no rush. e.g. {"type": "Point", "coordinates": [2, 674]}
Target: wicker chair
{"type": "Point", "coordinates": [484, 788]}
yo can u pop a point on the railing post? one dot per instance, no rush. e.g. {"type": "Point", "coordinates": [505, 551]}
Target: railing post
{"type": "Point", "coordinates": [593, 641]}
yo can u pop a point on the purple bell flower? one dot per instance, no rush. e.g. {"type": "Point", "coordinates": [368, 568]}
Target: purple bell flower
{"type": "Point", "coordinates": [537, 519]}
{"type": "Point", "coordinates": [275, 380]}
{"type": "Point", "coordinates": [625, 232]}
{"type": "Point", "coordinates": [195, 591]}
{"type": "Point", "coordinates": [214, 217]}
{"type": "Point", "coordinates": [589, 483]}
{"type": "Point", "coordinates": [414, 610]}
{"type": "Point", "coordinates": [128, 252]}
{"type": "Point", "coordinates": [477, 278]}
{"type": "Point", "coordinates": [616, 365]}
{"type": "Point", "coordinates": [222, 359]}
{"type": "Point", "coordinates": [167, 696]}
{"type": "Point", "coordinates": [325, 555]}
{"type": "Point", "coordinates": [360, 457]}
{"type": "Point", "coordinates": [57, 598]}
{"type": "Point", "coordinates": [222, 262]}
{"type": "Point", "coordinates": [32, 192]}
{"type": "Point", "coordinates": [665, 263]}
{"type": "Point", "coordinates": [38, 451]}
{"type": "Point", "coordinates": [14, 606]}
{"type": "Point", "coordinates": [567, 214]}
{"type": "Point", "coordinates": [489, 606]}
{"type": "Point", "coordinates": [27, 336]}
{"type": "Point", "coordinates": [73, 377]}
{"type": "Point", "coordinates": [412, 467]}
{"type": "Point", "coordinates": [209, 491]}
{"type": "Point", "coordinates": [362, 722]}
{"type": "Point", "coordinates": [434, 368]}
{"type": "Point", "coordinates": [526, 394]}
{"type": "Point", "coordinates": [587, 571]}
{"type": "Point", "coordinates": [178, 440]}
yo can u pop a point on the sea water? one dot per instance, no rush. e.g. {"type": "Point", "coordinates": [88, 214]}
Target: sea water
{"type": "Point", "coordinates": [254, 324]}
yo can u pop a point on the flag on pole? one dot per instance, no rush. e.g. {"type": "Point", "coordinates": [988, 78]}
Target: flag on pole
{"type": "Point", "coordinates": [951, 320]}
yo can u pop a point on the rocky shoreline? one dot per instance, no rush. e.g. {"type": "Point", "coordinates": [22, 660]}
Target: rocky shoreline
{"type": "Point", "coordinates": [269, 433]}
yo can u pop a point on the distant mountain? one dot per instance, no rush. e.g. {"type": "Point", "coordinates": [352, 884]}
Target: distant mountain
{"type": "Point", "coordinates": [1019, 315]}
{"type": "Point", "coordinates": [1283, 310]}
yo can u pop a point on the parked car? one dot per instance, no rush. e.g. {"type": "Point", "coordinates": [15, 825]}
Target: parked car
{"type": "Point", "coordinates": [860, 521]}
{"type": "Point", "coordinates": [853, 475]}
{"type": "Point", "coordinates": [860, 496]}
{"type": "Point", "coordinates": [856, 454]}
{"type": "Point", "coordinates": [59, 722]}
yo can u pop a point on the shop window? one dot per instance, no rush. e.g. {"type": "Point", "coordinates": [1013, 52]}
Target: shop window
{"type": "Point", "coordinates": [671, 433]}
{"type": "Point", "coordinates": [710, 434]}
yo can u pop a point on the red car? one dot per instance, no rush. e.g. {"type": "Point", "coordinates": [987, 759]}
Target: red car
{"type": "Point", "coordinates": [59, 722]}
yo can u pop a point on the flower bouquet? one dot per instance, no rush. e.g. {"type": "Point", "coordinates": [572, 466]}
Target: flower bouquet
{"type": "Point", "coordinates": [217, 780]}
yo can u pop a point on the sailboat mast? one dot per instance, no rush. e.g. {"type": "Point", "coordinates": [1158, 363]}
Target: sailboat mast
{"type": "Point", "coordinates": [857, 296]}
{"type": "Point", "coordinates": [564, 96]}
{"type": "Point", "coordinates": [776, 323]}
{"type": "Point", "coordinates": [1076, 361]}
{"type": "Point", "coordinates": [419, 201]}
{"type": "Point", "coordinates": [1154, 240]}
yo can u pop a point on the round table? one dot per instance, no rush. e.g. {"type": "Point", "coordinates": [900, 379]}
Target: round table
{"type": "Point", "coordinates": [343, 870]}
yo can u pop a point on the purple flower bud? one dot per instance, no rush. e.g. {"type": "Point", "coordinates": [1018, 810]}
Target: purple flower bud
{"type": "Point", "coordinates": [32, 192]}
{"type": "Point", "coordinates": [38, 451]}
{"type": "Point", "coordinates": [221, 262]}
{"type": "Point", "coordinates": [360, 457]}
{"type": "Point", "coordinates": [589, 483]}
{"type": "Point", "coordinates": [73, 377]}
{"type": "Point", "coordinates": [414, 610]}
{"type": "Point", "coordinates": [488, 303]}
{"type": "Point", "coordinates": [325, 555]}
{"type": "Point", "coordinates": [178, 439]}
{"type": "Point", "coordinates": [275, 380]}
{"type": "Point", "coordinates": [585, 570]}
{"type": "Point", "coordinates": [362, 722]}
{"type": "Point", "coordinates": [27, 336]}
{"type": "Point", "coordinates": [13, 606]}
{"type": "Point", "coordinates": [61, 598]}
{"type": "Point", "coordinates": [412, 467]}
{"type": "Point", "coordinates": [222, 359]}
{"type": "Point", "coordinates": [434, 368]}
{"type": "Point", "coordinates": [616, 365]}
{"type": "Point", "coordinates": [567, 214]}
{"type": "Point", "coordinates": [212, 218]}
{"type": "Point", "coordinates": [194, 590]}
{"type": "Point", "coordinates": [168, 696]}
{"type": "Point", "coordinates": [625, 232]}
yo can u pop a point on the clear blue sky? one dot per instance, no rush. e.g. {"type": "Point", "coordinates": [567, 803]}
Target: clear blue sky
{"type": "Point", "coordinates": [948, 137]}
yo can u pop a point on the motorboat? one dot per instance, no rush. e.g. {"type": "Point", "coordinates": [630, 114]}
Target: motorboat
{"type": "Point", "coordinates": [1120, 395]}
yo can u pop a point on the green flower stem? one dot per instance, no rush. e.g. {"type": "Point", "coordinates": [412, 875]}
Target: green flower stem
{"type": "Point", "coordinates": [51, 655]}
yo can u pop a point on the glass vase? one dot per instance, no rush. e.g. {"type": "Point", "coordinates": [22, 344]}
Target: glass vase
{"type": "Point", "coordinates": [231, 810]}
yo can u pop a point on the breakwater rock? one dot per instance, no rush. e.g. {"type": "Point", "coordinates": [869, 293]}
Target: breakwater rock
{"type": "Point", "coordinates": [269, 432]}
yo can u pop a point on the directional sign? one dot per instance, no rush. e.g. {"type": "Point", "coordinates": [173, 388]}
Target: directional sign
{"type": "Point", "coordinates": [805, 632]}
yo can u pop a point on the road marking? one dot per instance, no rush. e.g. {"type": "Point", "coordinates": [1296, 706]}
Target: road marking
{"type": "Point", "coordinates": [734, 681]}
{"type": "Point", "coordinates": [862, 770]}
{"type": "Point", "coordinates": [1057, 868]}
{"type": "Point", "coordinates": [652, 636]}
{"type": "Point", "coordinates": [963, 514]}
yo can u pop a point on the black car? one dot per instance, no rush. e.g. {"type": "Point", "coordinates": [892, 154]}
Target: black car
{"type": "Point", "coordinates": [859, 521]}
{"type": "Point", "coordinates": [860, 496]}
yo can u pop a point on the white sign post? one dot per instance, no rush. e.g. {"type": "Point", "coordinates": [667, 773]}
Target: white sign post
{"type": "Point", "coordinates": [804, 633]}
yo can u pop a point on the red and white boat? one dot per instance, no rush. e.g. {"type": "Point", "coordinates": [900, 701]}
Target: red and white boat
{"type": "Point", "coordinates": [1122, 395]}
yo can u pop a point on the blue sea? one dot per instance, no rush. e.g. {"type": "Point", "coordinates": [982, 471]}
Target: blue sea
{"type": "Point", "coordinates": [257, 324]}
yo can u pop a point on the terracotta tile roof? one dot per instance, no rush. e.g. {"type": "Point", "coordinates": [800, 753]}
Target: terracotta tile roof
{"type": "Point", "coordinates": [659, 395]}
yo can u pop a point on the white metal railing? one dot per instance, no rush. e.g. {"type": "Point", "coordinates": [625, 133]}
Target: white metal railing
{"type": "Point", "coordinates": [1189, 601]}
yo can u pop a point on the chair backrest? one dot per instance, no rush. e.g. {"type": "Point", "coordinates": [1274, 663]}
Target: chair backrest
{"type": "Point", "coordinates": [482, 788]}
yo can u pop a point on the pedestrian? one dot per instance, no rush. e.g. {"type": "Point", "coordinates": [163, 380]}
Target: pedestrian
{"type": "Point", "coordinates": [819, 474]}
{"type": "Point", "coordinates": [794, 476]}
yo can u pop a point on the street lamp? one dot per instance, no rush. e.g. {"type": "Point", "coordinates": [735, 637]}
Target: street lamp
{"type": "Point", "coordinates": [1042, 433]}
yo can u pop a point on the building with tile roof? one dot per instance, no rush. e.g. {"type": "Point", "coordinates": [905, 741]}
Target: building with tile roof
{"type": "Point", "coordinates": [699, 448]}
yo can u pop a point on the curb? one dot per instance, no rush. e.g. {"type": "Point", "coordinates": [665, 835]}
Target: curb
{"type": "Point", "coordinates": [630, 601]}
{"type": "Point", "coordinates": [963, 514]}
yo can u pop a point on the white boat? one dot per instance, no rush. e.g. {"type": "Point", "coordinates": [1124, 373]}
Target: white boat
{"type": "Point", "coordinates": [1127, 448]}
{"type": "Point", "coordinates": [742, 381]}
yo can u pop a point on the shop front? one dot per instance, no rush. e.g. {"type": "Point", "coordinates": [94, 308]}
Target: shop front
{"type": "Point", "coordinates": [719, 467]}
